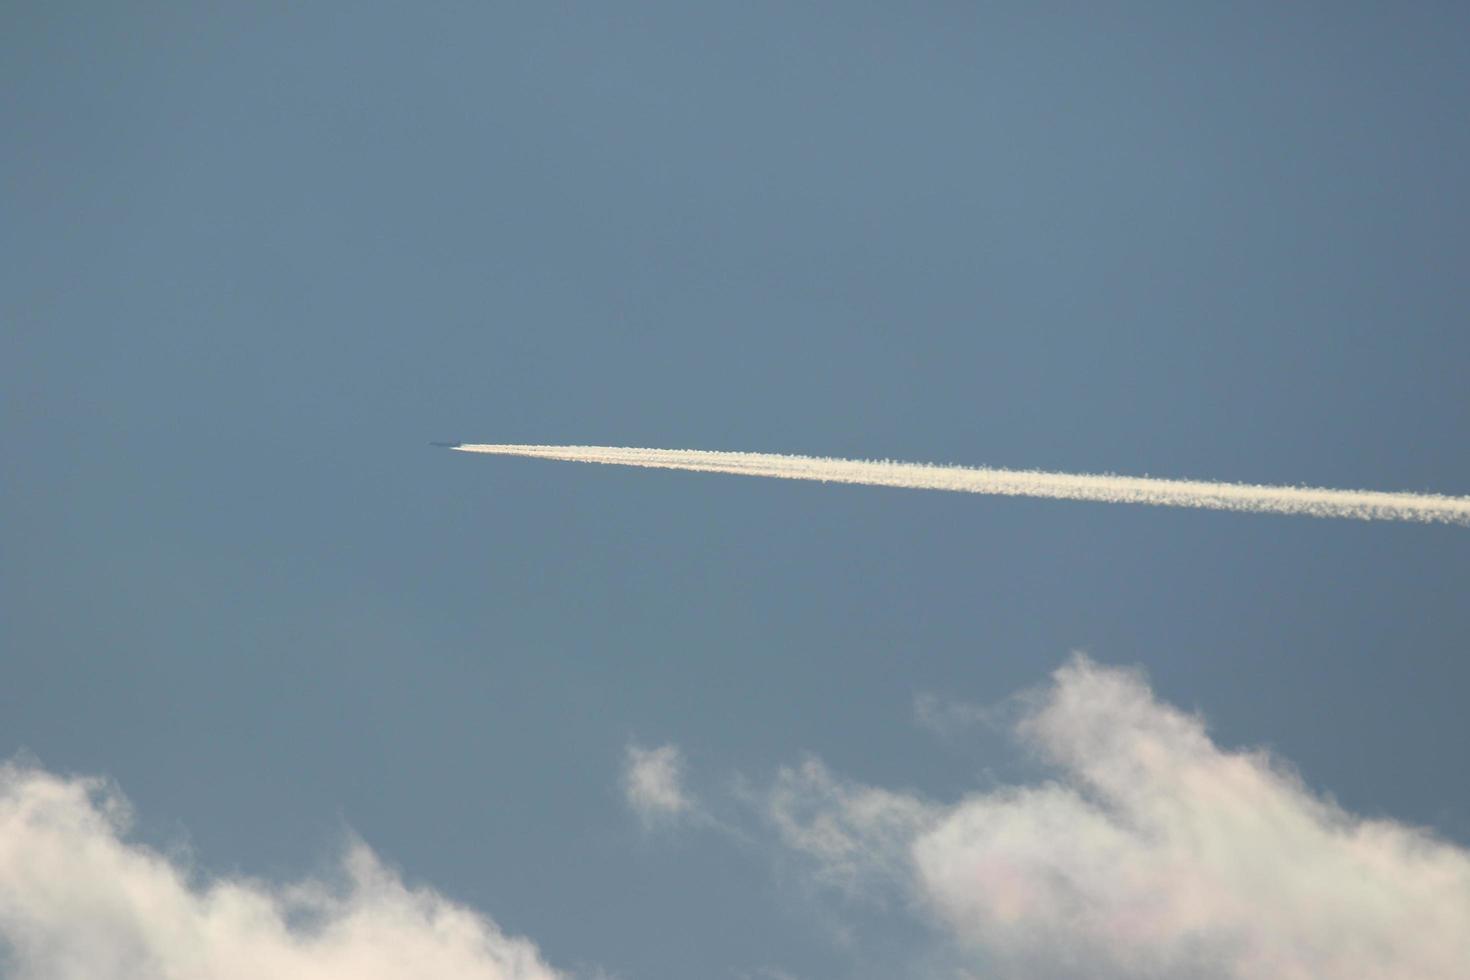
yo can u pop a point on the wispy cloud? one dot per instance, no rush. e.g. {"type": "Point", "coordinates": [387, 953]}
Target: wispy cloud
{"type": "Point", "coordinates": [1315, 502]}
{"type": "Point", "coordinates": [857, 836]}
{"type": "Point", "coordinates": [1154, 852]}
{"type": "Point", "coordinates": [948, 718]}
{"type": "Point", "coordinates": [80, 902]}
{"type": "Point", "coordinates": [653, 784]}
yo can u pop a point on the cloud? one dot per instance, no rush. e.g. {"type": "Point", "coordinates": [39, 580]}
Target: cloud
{"type": "Point", "coordinates": [1365, 505]}
{"type": "Point", "coordinates": [949, 719]}
{"type": "Point", "coordinates": [653, 784]}
{"type": "Point", "coordinates": [79, 902]}
{"type": "Point", "coordinates": [1154, 852]}
{"type": "Point", "coordinates": [857, 836]}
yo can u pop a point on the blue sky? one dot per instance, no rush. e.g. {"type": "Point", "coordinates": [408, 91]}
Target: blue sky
{"type": "Point", "coordinates": [255, 257]}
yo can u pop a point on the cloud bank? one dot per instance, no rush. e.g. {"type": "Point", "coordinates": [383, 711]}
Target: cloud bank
{"type": "Point", "coordinates": [1153, 853]}
{"type": "Point", "coordinates": [1311, 501]}
{"type": "Point", "coordinates": [79, 902]}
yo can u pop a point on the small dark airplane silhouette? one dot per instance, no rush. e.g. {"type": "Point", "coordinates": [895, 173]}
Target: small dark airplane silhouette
{"type": "Point", "coordinates": [447, 445]}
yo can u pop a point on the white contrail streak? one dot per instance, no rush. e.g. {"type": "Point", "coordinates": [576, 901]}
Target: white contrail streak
{"type": "Point", "coordinates": [1361, 504]}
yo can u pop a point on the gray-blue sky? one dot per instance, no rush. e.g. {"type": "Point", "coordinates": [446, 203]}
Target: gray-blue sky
{"type": "Point", "coordinates": [255, 256]}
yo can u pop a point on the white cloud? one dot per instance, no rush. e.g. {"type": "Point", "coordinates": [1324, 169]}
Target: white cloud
{"type": "Point", "coordinates": [1154, 853]}
{"type": "Point", "coordinates": [857, 836]}
{"type": "Point", "coordinates": [653, 783]}
{"type": "Point", "coordinates": [79, 902]}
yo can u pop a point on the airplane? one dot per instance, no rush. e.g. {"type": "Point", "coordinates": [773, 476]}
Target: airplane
{"type": "Point", "coordinates": [447, 445]}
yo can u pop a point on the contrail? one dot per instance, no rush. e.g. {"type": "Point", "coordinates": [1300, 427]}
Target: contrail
{"type": "Point", "coordinates": [1367, 505]}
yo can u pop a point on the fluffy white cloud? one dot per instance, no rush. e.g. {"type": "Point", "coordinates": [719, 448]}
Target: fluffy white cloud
{"type": "Point", "coordinates": [78, 902]}
{"type": "Point", "coordinates": [653, 783]}
{"type": "Point", "coordinates": [1154, 853]}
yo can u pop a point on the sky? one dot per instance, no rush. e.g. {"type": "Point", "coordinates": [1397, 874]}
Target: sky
{"type": "Point", "coordinates": [286, 691]}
